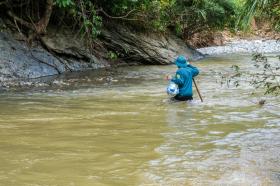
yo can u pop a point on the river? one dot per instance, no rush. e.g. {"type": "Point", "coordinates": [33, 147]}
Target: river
{"type": "Point", "coordinates": [120, 129]}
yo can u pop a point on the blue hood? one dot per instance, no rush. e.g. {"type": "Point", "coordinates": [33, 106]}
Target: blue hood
{"type": "Point", "coordinates": [181, 62]}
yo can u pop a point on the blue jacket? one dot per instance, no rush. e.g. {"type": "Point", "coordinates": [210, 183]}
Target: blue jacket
{"type": "Point", "coordinates": [183, 79]}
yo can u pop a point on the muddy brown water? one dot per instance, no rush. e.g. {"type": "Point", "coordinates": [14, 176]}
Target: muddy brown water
{"type": "Point", "coordinates": [121, 130]}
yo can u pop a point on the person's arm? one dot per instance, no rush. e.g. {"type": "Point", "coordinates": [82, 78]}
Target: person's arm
{"type": "Point", "coordinates": [178, 79]}
{"type": "Point", "coordinates": [195, 70]}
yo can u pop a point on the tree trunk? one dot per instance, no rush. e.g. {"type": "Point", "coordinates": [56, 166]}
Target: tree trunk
{"type": "Point", "coordinates": [41, 26]}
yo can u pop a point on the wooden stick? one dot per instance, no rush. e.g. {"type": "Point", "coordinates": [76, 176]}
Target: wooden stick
{"type": "Point", "coordinates": [197, 90]}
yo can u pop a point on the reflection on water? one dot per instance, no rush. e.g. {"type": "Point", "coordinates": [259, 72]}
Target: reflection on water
{"type": "Point", "coordinates": [121, 130]}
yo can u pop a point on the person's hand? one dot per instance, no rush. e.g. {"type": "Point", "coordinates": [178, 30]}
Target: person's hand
{"type": "Point", "coordinates": [168, 77]}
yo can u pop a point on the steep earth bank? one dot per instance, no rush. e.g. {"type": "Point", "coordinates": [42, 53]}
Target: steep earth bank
{"type": "Point", "coordinates": [63, 51]}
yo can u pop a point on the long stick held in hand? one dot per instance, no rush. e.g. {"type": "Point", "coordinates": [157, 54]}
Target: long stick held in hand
{"type": "Point", "coordinates": [197, 90]}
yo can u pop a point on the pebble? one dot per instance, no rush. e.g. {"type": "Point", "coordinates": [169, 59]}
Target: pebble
{"type": "Point", "coordinates": [244, 46]}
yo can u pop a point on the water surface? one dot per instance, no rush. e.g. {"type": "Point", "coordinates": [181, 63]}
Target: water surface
{"type": "Point", "coordinates": [120, 129]}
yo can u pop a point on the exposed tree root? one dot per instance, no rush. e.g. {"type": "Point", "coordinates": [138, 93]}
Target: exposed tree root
{"type": "Point", "coordinates": [41, 61]}
{"type": "Point", "coordinates": [54, 53]}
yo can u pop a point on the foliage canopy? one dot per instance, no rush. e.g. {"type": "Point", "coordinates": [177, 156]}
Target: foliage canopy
{"type": "Point", "coordinates": [265, 9]}
{"type": "Point", "coordinates": [186, 17]}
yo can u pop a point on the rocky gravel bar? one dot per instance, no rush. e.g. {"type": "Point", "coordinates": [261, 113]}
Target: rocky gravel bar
{"type": "Point", "coordinates": [243, 46]}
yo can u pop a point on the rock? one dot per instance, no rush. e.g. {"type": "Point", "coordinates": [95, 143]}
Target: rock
{"type": "Point", "coordinates": [17, 60]}
{"type": "Point", "coordinates": [261, 102]}
{"type": "Point", "coordinates": [60, 51]}
{"type": "Point", "coordinates": [146, 48]}
{"type": "Point", "coordinates": [64, 43]}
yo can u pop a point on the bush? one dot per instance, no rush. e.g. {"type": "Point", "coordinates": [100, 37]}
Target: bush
{"type": "Point", "coordinates": [185, 17]}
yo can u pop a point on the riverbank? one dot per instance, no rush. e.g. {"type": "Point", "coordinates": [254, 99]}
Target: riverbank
{"type": "Point", "coordinates": [260, 40]}
{"type": "Point", "coordinates": [63, 51]}
{"type": "Point", "coordinates": [243, 46]}
{"type": "Point", "coordinates": [24, 66]}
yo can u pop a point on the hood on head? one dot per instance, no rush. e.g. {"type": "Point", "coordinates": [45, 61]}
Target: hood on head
{"type": "Point", "coordinates": [181, 61]}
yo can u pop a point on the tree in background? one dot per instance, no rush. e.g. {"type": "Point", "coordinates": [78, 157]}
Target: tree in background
{"type": "Point", "coordinates": [268, 10]}
{"type": "Point", "coordinates": [185, 17]}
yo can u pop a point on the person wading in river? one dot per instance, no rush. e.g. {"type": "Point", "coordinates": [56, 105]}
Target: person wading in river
{"type": "Point", "coordinates": [183, 78]}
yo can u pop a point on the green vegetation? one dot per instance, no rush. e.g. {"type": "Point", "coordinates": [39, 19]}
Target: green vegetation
{"type": "Point", "coordinates": [185, 17]}
{"type": "Point", "coordinates": [266, 10]}
{"type": "Point", "coordinates": [266, 74]}
{"type": "Point", "coordinates": [112, 55]}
